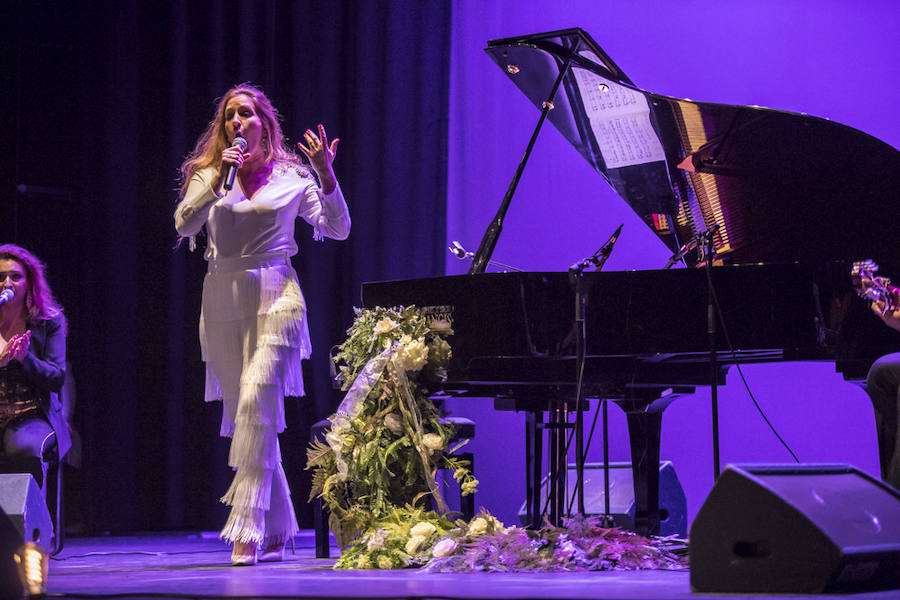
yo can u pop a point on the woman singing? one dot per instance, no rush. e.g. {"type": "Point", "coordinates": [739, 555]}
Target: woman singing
{"type": "Point", "coordinates": [253, 329]}
{"type": "Point", "coordinates": [32, 363]}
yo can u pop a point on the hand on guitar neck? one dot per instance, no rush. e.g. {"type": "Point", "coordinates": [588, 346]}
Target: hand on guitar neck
{"type": "Point", "coordinates": [884, 296]}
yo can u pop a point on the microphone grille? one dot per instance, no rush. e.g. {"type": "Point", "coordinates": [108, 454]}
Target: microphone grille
{"type": "Point", "coordinates": [239, 142]}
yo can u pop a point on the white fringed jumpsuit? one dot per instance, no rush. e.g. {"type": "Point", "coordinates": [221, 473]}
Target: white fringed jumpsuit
{"type": "Point", "coordinates": [253, 329]}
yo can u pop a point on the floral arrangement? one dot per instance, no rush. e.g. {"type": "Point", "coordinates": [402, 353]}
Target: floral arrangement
{"type": "Point", "coordinates": [582, 545]}
{"type": "Point", "coordinates": [376, 469]}
{"type": "Point", "coordinates": [386, 441]}
{"type": "Point", "coordinates": [407, 537]}
{"type": "Point", "coordinates": [412, 537]}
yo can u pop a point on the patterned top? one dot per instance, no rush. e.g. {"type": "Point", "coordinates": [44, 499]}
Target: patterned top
{"type": "Point", "coordinates": [17, 395]}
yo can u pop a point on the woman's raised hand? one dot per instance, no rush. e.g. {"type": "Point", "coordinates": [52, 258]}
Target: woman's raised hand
{"type": "Point", "coordinates": [317, 150]}
{"type": "Point", "coordinates": [321, 155]}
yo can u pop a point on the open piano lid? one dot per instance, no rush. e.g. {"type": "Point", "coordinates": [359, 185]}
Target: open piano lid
{"type": "Point", "coordinates": [782, 186]}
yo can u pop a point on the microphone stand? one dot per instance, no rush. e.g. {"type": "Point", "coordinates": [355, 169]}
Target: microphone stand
{"type": "Point", "coordinates": [705, 243]}
{"type": "Point", "coordinates": [461, 253]}
{"type": "Point", "coordinates": [576, 277]}
{"type": "Point", "coordinates": [489, 241]}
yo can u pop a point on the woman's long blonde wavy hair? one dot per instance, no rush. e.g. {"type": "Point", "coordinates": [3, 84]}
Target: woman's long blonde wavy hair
{"type": "Point", "coordinates": [208, 150]}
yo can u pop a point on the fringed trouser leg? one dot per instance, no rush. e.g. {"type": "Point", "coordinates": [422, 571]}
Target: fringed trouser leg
{"type": "Point", "coordinates": [254, 335]}
{"type": "Point", "coordinates": [261, 507]}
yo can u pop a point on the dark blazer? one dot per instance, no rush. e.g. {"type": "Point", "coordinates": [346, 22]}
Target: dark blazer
{"type": "Point", "coordinates": [45, 368]}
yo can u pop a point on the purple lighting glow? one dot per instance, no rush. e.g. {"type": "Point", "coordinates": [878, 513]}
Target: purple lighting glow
{"type": "Point", "coordinates": [829, 58]}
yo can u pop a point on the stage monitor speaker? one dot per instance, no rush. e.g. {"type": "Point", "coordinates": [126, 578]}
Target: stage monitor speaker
{"type": "Point", "coordinates": [796, 529]}
{"type": "Point", "coordinates": [10, 543]}
{"type": "Point", "coordinates": [24, 505]}
{"type": "Point", "coordinates": [672, 502]}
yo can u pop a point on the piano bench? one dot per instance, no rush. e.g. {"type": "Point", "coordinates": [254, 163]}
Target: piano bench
{"type": "Point", "coordinates": [465, 430]}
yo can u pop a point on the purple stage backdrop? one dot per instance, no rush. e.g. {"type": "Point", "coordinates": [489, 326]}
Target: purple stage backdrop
{"type": "Point", "coordinates": [829, 58]}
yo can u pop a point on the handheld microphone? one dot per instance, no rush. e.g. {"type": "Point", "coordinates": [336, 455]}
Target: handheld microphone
{"type": "Point", "coordinates": [237, 142]}
{"type": "Point", "coordinates": [6, 295]}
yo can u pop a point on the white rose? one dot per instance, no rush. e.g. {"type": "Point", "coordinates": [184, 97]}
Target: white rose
{"type": "Point", "coordinates": [423, 529]}
{"type": "Point", "coordinates": [385, 325]}
{"type": "Point", "coordinates": [478, 526]}
{"type": "Point", "coordinates": [413, 544]}
{"type": "Point", "coordinates": [392, 422]}
{"type": "Point", "coordinates": [444, 547]}
{"type": "Point", "coordinates": [440, 352]}
{"type": "Point", "coordinates": [413, 354]}
{"type": "Point", "coordinates": [433, 441]}
{"type": "Point", "coordinates": [384, 562]}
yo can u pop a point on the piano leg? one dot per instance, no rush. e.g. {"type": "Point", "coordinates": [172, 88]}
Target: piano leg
{"type": "Point", "coordinates": [557, 464]}
{"type": "Point", "coordinates": [644, 430]}
{"type": "Point", "coordinates": [644, 410]}
{"type": "Point", "coordinates": [533, 457]}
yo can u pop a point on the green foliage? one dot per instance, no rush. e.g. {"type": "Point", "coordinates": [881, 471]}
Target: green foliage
{"type": "Point", "coordinates": [402, 538]}
{"type": "Point", "coordinates": [375, 470]}
{"type": "Point", "coordinates": [386, 440]}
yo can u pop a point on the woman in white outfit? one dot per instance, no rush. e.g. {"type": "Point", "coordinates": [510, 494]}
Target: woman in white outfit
{"type": "Point", "coordinates": [253, 329]}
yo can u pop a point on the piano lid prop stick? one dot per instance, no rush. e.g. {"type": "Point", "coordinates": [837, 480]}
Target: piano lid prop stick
{"type": "Point", "coordinates": [489, 241]}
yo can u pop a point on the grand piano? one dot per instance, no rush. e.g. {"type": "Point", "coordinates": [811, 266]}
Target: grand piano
{"type": "Point", "coordinates": [782, 202]}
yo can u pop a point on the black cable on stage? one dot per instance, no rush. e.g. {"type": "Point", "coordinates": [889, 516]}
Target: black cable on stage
{"type": "Point", "coordinates": [741, 372]}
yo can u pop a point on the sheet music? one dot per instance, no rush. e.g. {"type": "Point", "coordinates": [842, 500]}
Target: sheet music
{"type": "Point", "coordinates": [619, 118]}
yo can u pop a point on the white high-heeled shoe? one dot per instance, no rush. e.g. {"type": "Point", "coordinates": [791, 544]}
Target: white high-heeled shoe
{"type": "Point", "coordinates": [243, 555]}
{"type": "Point", "coordinates": [272, 553]}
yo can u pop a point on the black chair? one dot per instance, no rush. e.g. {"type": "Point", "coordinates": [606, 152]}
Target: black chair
{"type": "Point", "coordinates": [464, 430]}
{"type": "Point", "coordinates": [54, 466]}
{"type": "Point", "coordinates": [52, 471]}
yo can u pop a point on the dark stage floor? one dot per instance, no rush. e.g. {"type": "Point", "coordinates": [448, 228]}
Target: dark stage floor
{"type": "Point", "coordinates": [192, 565]}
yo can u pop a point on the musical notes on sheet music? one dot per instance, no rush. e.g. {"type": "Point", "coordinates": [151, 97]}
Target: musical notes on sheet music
{"type": "Point", "coordinates": [620, 120]}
